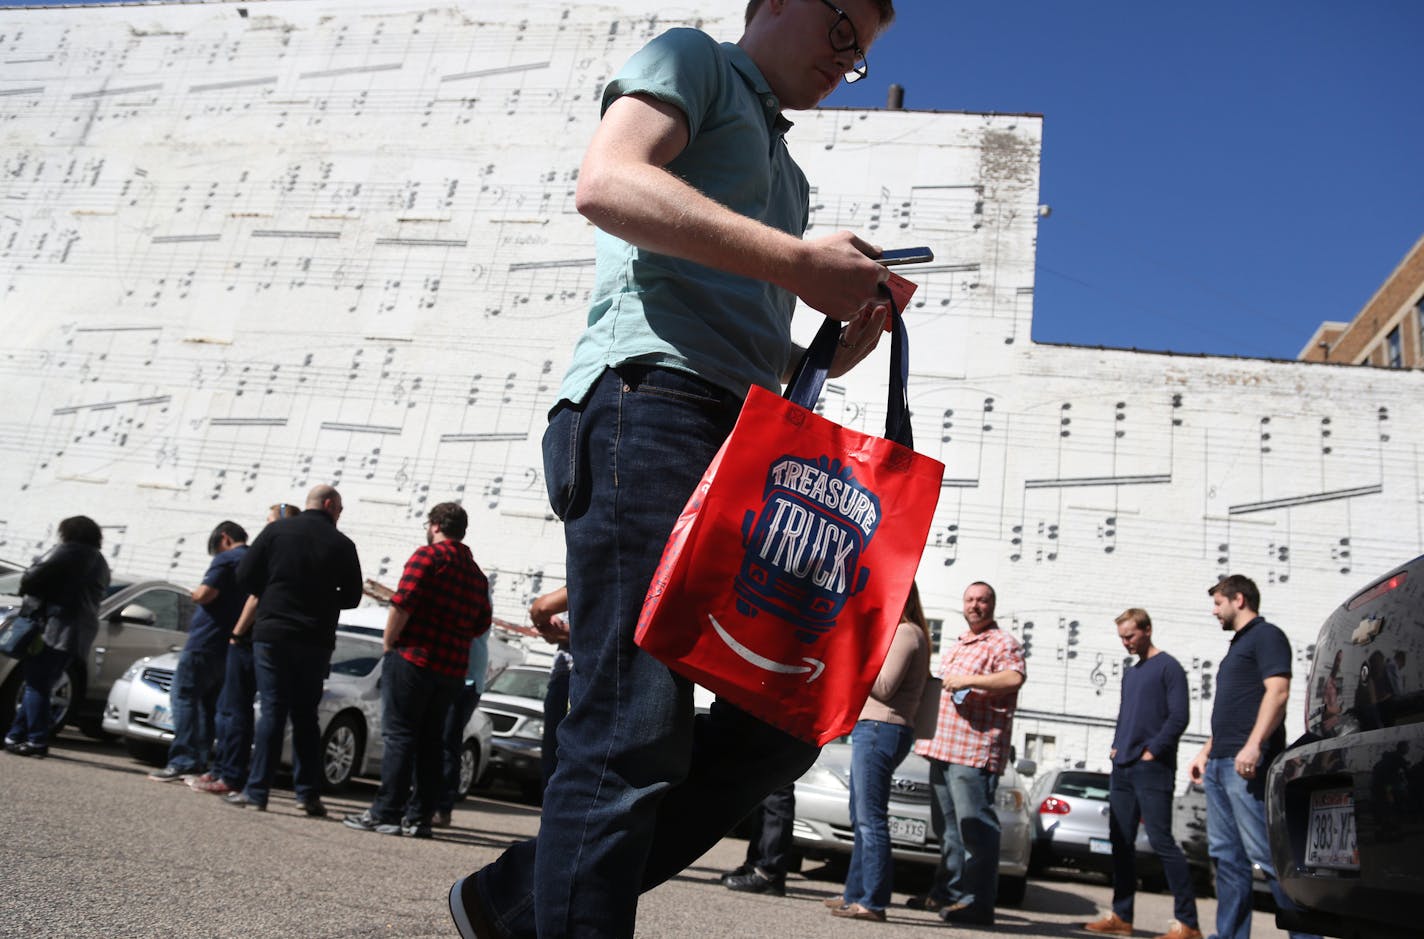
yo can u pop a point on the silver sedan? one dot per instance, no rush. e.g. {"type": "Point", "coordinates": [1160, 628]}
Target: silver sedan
{"type": "Point", "coordinates": [349, 714]}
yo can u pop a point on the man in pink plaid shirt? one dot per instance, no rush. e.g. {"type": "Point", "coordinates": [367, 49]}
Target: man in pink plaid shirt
{"type": "Point", "coordinates": [981, 673]}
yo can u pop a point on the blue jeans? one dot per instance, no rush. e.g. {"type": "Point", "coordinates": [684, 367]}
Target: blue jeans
{"type": "Point", "coordinates": [642, 789]}
{"type": "Point", "coordinates": [1143, 790]}
{"type": "Point", "coordinates": [414, 704]}
{"type": "Point", "coordinates": [197, 682]}
{"type": "Point", "coordinates": [1236, 839]}
{"type": "Point", "coordinates": [32, 717]}
{"type": "Point", "coordinates": [234, 722]}
{"type": "Point", "coordinates": [877, 748]}
{"type": "Point", "coordinates": [466, 699]}
{"type": "Point", "coordinates": [289, 683]}
{"type": "Point", "coordinates": [962, 812]}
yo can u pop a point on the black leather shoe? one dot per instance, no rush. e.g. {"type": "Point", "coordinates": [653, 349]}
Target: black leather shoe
{"type": "Point", "coordinates": [740, 871]}
{"type": "Point", "coordinates": [25, 748]}
{"type": "Point", "coordinates": [757, 882]}
{"type": "Point", "coordinates": [314, 808]}
{"type": "Point", "coordinates": [924, 902]}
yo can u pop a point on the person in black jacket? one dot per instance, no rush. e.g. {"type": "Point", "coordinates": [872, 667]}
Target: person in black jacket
{"type": "Point", "coordinates": [69, 581]}
{"type": "Point", "coordinates": [303, 572]}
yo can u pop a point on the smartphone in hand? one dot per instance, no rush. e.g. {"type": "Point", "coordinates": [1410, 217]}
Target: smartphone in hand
{"type": "Point", "coordinates": [897, 256]}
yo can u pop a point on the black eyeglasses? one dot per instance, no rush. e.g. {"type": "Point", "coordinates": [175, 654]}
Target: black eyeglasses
{"type": "Point", "coordinates": [844, 39]}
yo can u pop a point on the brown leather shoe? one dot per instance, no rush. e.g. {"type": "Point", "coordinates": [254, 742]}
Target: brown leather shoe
{"type": "Point", "coordinates": [1180, 931]}
{"type": "Point", "coordinates": [1111, 925]}
{"type": "Point", "coordinates": [856, 911]}
{"type": "Point", "coordinates": [834, 903]}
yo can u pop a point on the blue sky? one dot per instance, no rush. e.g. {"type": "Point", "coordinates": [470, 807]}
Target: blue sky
{"type": "Point", "coordinates": [1223, 174]}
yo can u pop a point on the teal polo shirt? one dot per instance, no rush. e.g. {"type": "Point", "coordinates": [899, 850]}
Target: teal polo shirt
{"type": "Point", "coordinates": [654, 309]}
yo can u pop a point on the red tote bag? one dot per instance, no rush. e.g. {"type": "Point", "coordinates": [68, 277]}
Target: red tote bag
{"type": "Point", "coordinates": [786, 574]}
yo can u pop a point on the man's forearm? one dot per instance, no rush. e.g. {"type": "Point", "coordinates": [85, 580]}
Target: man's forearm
{"type": "Point", "coordinates": [395, 625]}
{"type": "Point", "coordinates": [992, 683]}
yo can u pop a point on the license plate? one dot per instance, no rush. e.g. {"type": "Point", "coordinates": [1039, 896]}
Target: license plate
{"type": "Point", "coordinates": [1330, 839]}
{"type": "Point", "coordinates": [160, 718]}
{"type": "Point", "coordinates": [911, 830]}
{"type": "Point", "coordinates": [1100, 846]}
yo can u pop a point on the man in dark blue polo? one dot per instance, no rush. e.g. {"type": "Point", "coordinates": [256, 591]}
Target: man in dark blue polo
{"type": "Point", "coordinates": [198, 680]}
{"type": "Point", "coordinates": [1247, 733]}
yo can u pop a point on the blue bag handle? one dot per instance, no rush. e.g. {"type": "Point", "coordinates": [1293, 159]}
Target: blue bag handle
{"type": "Point", "coordinates": [811, 372]}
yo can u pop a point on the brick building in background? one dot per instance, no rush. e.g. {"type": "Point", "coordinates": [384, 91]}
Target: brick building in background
{"type": "Point", "coordinates": [1388, 332]}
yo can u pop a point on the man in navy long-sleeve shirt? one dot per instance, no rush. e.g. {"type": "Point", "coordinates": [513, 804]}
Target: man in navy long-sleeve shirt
{"type": "Point", "coordinates": [1150, 721]}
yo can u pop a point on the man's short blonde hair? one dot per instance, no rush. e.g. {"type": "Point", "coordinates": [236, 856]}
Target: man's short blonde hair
{"type": "Point", "coordinates": [1138, 616]}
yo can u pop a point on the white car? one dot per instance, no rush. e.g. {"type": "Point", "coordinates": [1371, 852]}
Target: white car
{"type": "Point", "coordinates": [349, 714]}
{"type": "Point", "coordinates": [822, 826]}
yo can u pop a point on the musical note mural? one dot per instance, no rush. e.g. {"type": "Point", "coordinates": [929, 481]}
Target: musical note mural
{"type": "Point", "coordinates": [247, 249]}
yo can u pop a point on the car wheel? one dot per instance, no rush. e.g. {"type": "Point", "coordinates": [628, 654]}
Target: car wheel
{"type": "Point", "coordinates": [469, 769]}
{"type": "Point", "coordinates": [340, 751]}
{"type": "Point", "coordinates": [60, 699]}
{"type": "Point", "coordinates": [146, 751]}
{"type": "Point", "coordinates": [1011, 890]}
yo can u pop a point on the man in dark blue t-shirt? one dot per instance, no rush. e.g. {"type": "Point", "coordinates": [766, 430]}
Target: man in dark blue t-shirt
{"type": "Point", "coordinates": [1247, 733]}
{"type": "Point", "coordinates": [1150, 721]}
{"type": "Point", "coordinates": [198, 680]}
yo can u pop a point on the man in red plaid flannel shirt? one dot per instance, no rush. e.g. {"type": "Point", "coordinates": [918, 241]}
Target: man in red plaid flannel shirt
{"type": "Point", "coordinates": [981, 673]}
{"type": "Point", "coordinates": [441, 604]}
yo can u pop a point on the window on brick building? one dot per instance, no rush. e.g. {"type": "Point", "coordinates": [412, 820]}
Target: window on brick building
{"type": "Point", "coordinates": [1396, 348]}
{"type": "Point", "coordinates": [1419, 328]}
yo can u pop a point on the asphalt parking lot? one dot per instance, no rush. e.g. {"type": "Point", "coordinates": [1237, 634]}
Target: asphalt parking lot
{"type": "Point", "coordinates": [93, 848]}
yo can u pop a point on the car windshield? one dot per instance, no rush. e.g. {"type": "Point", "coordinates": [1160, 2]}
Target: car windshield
{"type": "Point", "coordinates": [1082, 785]}
{"type": "Point", "coordinates": [354, 657]}
{"type": "Point", "coordinates": [521, 683]}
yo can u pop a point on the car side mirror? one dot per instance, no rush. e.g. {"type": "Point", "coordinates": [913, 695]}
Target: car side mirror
{"type": "Point", "coordinates": [135, 615]}
{"type": "Point", "coordinates": [1026, 767]}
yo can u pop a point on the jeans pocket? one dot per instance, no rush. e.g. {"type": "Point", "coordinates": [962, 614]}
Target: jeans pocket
{"type": "Point", "coordinates": [561, 458]}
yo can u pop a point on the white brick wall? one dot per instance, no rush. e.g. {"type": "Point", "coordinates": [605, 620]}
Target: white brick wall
{"type": "Point", "coordinates": [242, 255]}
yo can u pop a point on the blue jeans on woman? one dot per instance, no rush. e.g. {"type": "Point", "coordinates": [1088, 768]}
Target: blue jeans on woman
{"type": "Point", "coordinates": [1236, 839]}
{"type": "Point", "coordinates": [41, 671]}
{"type": "Point", "coordinates": [876, 748]}
{"type": "Point", "coordinates": [642, 789]}
{"type": "Point", "coordinates": [962, 811]}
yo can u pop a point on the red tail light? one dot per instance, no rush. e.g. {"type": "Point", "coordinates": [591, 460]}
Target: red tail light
{"type": "Point", "coordinates": [1377, 590]}
{"type": "Point", "coordinates": [1054, 806]}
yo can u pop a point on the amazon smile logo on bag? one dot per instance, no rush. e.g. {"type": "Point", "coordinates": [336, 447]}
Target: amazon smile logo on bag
{"type": "Point", "coordinates": [783, 579]}
{"type": "Point", "coordinates": [803, 551]}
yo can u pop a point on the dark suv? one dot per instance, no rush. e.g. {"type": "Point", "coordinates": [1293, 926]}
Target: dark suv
{"type": "Point", "coordinates": [1345, 803]}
